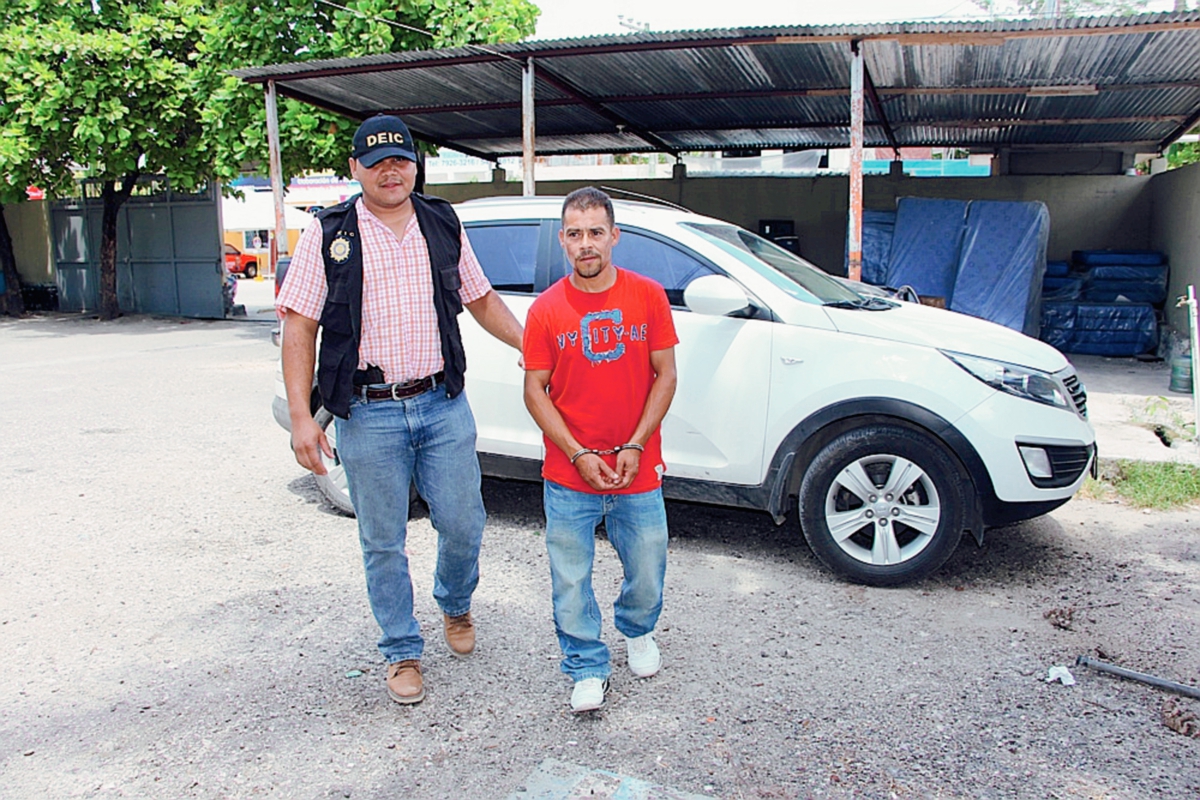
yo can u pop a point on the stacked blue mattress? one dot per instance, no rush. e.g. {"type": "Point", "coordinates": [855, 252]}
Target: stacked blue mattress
{"type": "Point", "coordinates": [1106, 304]}
{"type": "Point", "coordinates": [1102, 329]}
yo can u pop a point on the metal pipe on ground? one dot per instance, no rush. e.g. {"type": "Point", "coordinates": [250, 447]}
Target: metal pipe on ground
{"type": "Point", "coordinates": [1161, 683]}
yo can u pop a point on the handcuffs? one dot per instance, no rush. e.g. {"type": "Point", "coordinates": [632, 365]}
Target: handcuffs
{"type": "Point", "coordinates": [583, 451]}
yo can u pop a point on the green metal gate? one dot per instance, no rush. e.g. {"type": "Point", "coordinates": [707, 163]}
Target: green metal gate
{"type": "Point", "coordinates": [169, 258]}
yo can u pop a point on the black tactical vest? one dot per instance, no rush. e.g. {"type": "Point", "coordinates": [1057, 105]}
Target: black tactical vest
{"type": "Point", "coordinates": [341, 319]}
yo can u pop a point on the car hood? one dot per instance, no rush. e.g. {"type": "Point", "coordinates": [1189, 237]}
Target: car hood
{"type": "Point", "coordinates": [934, 327]}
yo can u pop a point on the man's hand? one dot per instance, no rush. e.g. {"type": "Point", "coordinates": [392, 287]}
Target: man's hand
{"type": "Point", "coordinates": [628, 463]}
{"type": "Point", "coordinates": [308, 443]}
{"type": "Point", "coordinates": [597, 473]}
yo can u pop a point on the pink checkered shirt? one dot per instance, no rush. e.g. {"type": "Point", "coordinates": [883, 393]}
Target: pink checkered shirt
{"type": "Point", "coordinates": [399, 322]}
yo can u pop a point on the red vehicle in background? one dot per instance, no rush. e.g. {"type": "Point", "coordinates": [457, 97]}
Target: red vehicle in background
{"type": "Point", "coordinates": [239, 263]}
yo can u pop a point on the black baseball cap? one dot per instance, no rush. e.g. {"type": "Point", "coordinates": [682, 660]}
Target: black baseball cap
{"type": "Point", "coordinates": [380, 137]}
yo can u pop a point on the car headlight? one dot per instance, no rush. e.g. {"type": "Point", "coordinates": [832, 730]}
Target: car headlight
{"type": "Point", "coordinates": [1026, 382]}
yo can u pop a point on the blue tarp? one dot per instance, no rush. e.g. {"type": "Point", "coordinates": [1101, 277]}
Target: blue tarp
{"type": "Point", "coordinates": [1098, 257]}
{"type": "Point", "coordinates": [925, 245]}
{"type": "Point", "coordinates": [1058, 269]}
{"type": "Point", "coordinates": [1104, 329]}
{"type": "Point", "coordinates": [1131, 283]}
{"type": "Point", "coordinates": [1002, 263]}
{"type": "Point", "coordinates": [1054, 288]}
{"type": "Point", "coordinates": [878, 227]}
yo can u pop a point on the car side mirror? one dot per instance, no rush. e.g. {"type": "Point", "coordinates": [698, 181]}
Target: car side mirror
{"type": "Point", "coordinates": [715, 295]}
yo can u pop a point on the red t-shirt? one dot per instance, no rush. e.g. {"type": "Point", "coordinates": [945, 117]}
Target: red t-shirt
{"type": "Point", "coordinates": [597, 348]}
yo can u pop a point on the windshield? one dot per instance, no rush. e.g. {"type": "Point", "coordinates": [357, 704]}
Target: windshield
{"type": "Point", "coordinates": [789, 272]}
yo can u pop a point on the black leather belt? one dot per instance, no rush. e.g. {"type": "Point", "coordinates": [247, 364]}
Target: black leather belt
{"type": "Point", "coordinates": [400, 391]}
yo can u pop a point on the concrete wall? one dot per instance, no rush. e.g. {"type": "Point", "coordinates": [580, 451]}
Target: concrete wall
{"type": "Point", "coordinates": [1176, 231]}
{"type": "Point", "coordinates": [1086, 212]}
{"type": "Point", "coordinates": [29, 225]}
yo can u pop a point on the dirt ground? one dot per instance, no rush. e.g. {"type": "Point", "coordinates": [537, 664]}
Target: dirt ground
{"type": "Point", "coordinates": [182, 616]}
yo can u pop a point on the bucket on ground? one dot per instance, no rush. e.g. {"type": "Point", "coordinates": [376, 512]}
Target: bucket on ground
{"type": "Point", "coordinates": [1181, 374]}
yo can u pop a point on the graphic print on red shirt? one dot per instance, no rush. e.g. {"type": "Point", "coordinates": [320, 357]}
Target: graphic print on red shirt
{"type": "Point", "coordinates": [597, 347]}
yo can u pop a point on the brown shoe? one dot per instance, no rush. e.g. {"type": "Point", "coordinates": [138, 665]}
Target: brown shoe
{"type": "Point", "coordinates": [460, 634]}
{"type": "Point", "coordinates": [404, 682]}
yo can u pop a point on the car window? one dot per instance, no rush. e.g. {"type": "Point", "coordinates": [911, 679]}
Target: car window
{"type": "Point", "coordinates": [661, 260]}
{"type": "Point", "coordinates": [507, 253]}
{"type": "Point", "coordinates": [785, 269]}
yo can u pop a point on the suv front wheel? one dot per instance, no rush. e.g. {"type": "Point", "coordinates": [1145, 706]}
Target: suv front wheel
{"type": "Point", "coordinates": [883, 504]}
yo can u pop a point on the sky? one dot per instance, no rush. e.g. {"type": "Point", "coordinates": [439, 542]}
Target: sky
{"type": "Point", "coordinates": [564, 19]}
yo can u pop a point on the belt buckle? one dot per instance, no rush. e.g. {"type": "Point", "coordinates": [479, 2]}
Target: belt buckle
{"type": "Point", "coordinates": [396, 391]}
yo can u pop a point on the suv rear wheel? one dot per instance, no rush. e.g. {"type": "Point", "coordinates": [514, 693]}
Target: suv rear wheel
{"type": "Point", "coordinates": [883, 505]}
{"type": "Point", "coordinates": [333, 483]}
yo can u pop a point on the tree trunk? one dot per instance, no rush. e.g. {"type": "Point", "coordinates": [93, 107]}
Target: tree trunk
{"type": "Point", "coordinates": [11, 301]}
{"type": "Point", "coordinates": [113, 197]}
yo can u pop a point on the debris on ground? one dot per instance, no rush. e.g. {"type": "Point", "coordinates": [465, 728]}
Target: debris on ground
{"type": "Point", "coordinates": [1061, 617]}
{"type": "Point", "coordinates": [1061, 674]}
{"type": "Point", "coordinates": [1179, 718]}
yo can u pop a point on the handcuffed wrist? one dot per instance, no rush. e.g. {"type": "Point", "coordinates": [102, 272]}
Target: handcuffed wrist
{"type": "Point", "coordinates": [583, 451]}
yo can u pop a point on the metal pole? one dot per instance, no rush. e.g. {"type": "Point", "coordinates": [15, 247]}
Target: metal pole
{"type": "Point", "coordinates": [1161, 683]}
{"type": "Point", "coordinates": [854, 272]}
{"type": "Point", "coordinates": [527, 150]}
{"type": "Point", "coordinates": [279, 243]}
{"type": "Point", "coordinates": [1191, 301]}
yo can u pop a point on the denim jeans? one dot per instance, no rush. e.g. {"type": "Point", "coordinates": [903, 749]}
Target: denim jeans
{"type": "Point", "coordinates": [384, 446]}
{"type": "Point", "coordinates": [637, 529]}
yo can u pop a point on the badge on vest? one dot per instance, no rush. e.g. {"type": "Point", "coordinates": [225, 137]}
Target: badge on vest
{"type": "Point", "coordinates": [339, 249]}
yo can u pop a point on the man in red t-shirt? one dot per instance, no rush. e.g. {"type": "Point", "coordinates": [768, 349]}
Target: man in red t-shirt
{"type": "Point", "coordinates": [599, 377]}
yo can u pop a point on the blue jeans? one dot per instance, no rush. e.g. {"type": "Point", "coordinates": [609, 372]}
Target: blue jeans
{"type": "Point", "coordinates": [637, 529]}
{"type": "Point", "coordinates": [384, 446]}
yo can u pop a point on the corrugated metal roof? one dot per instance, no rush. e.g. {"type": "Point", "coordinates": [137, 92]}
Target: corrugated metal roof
{"type": "Point", "coordinates": [1126, 82]}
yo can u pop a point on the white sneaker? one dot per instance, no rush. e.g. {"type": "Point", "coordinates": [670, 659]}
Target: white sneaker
{"type": "Point", "coordinates": [644, 659]}
{"type": "Point", "coordinates": [588, 694]}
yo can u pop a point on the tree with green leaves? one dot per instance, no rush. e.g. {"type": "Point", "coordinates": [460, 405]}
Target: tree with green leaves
{"type": "Point", "coordinates": [248, 33]}
{"type": "Point", "coordinates": [118, 89]}
{"type": "Point", "coordinates": [110, 95]}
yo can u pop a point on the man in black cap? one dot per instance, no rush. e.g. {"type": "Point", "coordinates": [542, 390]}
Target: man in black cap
{"type": "Point", "coordinates": [384, 275]}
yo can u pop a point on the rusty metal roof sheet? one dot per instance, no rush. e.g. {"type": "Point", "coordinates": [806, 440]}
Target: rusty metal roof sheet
{"type": "Point", "coordinates": [1125, 82]}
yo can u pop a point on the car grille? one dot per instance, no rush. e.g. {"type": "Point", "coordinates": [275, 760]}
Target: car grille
{"type": "Point", "coordinates": [1078, 393]}
{"type": "Point", "coordinates": [1066, 462]}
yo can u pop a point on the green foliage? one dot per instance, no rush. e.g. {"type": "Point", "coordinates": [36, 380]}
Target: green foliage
{"type": "Point", "coordinates": [246, 33]}
{"type": "Point", "coordinates": [1162, 485]}
{"type": "Point", "coordinates": [1061, 8]}
{"type": "Point", "coordinates": [1181, 154]}
{"type": "Point", "coordinates": [144, 86]}
{"type": "Point", "coordinates": [106, 94]}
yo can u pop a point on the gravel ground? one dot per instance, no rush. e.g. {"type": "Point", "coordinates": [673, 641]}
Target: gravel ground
{"type": "Point", "coordinates": [182, 616]}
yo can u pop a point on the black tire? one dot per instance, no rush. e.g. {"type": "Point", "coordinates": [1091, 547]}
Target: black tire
{"type": "Point", "coordinates": [251, 270]}
{"type": "Point", "coordinates": [333, 483]}
{"type": "Point", "coordinates": [903, 531]}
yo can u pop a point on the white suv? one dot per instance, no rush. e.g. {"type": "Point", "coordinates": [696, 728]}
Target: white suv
{"type": "Point", "coordinates": [892, 427]}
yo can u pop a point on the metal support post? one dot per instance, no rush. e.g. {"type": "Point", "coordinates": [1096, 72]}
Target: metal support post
{"type": "Point", "coordinates": [528, 188]}
{"type": "Point", "coordinates": [279, 242]}
{"type": "Point", "coordinates": [854, 238]}
{"type": "Point", "coordinates": [1195, 348]}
